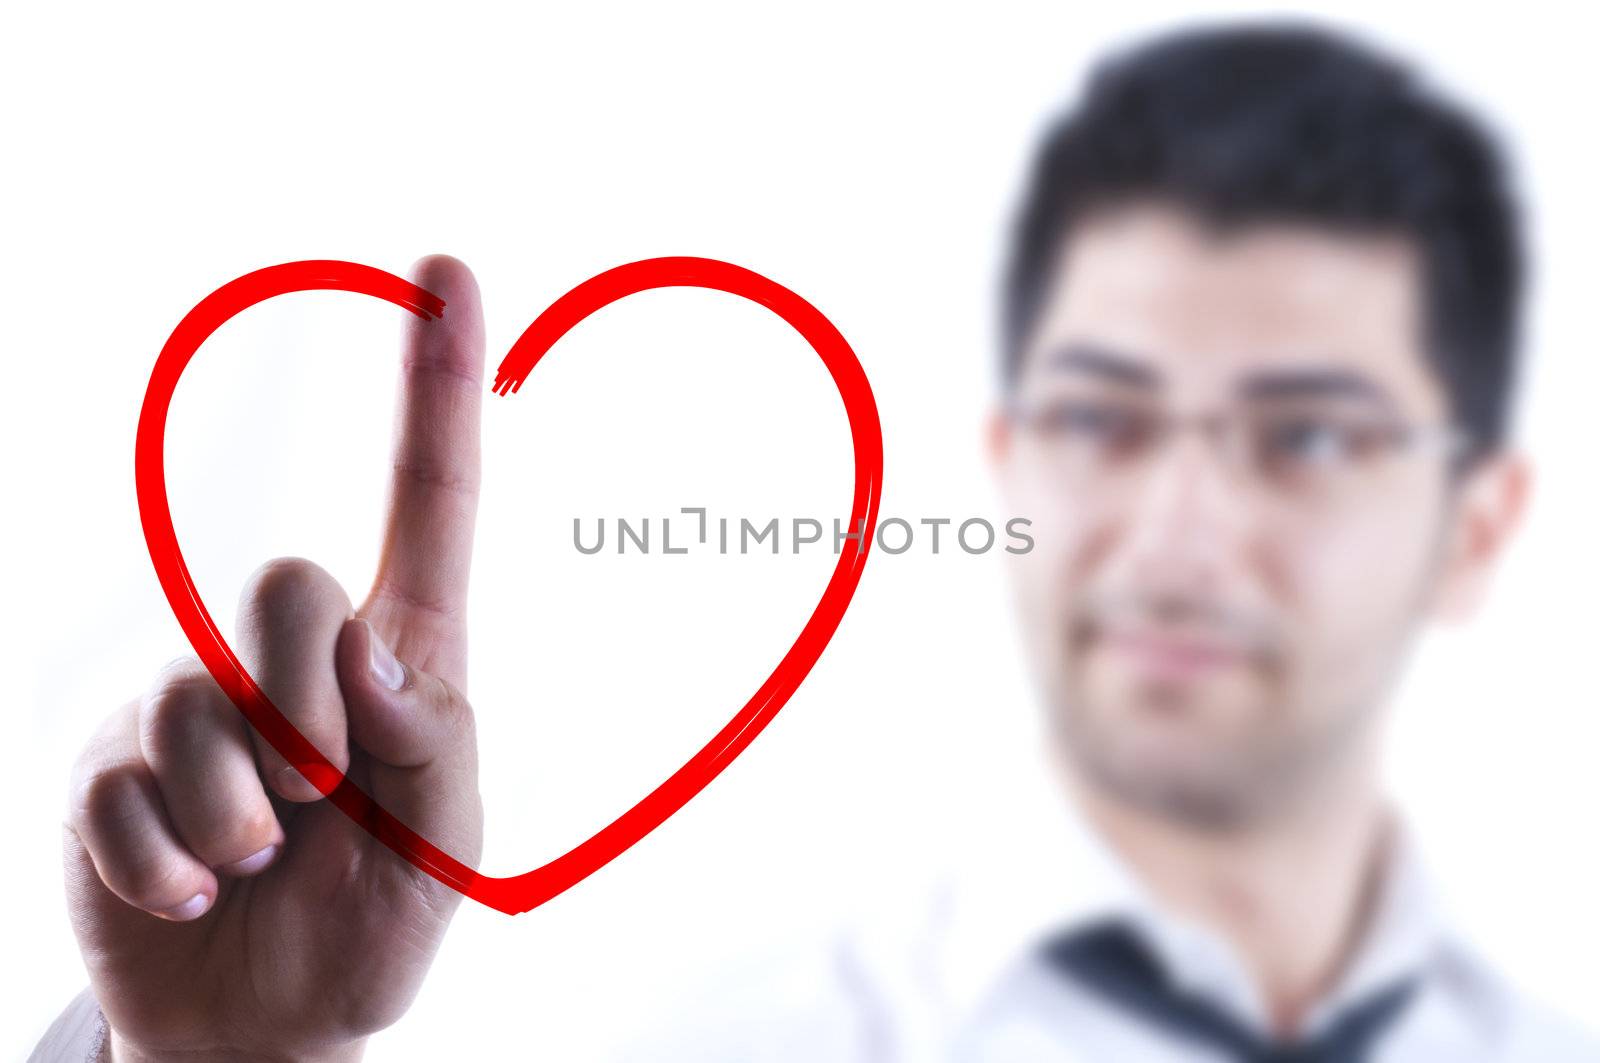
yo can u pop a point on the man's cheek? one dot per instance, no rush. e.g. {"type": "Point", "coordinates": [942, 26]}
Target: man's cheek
{"type": "Point", "coordinates": [1051, 566]}
{"type": "Point", "coordinates": [1356, 596]}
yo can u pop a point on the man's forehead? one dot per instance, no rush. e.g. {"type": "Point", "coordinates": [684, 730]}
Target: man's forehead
{"type": "Point", "coordinates": [1203, 307]}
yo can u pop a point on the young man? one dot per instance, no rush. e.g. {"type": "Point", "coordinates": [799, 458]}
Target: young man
{"type": "Point", "coordinates": [1262, 311]}
{"type": "Point", "coordinates": [1261, 319]}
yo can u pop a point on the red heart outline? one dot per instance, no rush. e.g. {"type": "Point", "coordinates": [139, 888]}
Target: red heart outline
{"type": "Point", "coordinates": [518, 893]}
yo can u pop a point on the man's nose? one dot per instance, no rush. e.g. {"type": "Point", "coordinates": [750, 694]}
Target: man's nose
{"type": "Point", "coordinates": [1187, 521]}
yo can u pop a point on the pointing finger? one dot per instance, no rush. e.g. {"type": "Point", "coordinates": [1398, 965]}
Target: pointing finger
{"type": "Point", "coordinates": [433, 493]}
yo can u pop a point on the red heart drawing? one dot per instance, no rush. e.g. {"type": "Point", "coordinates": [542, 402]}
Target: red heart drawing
{"type": "Point", "coordinates": [517, 893]}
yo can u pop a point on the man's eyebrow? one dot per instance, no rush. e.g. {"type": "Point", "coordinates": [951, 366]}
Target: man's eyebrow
{"type": "Point", "coordinates": [1103, 362]}
{"type": "Point", "coordinates": [1314, 383]}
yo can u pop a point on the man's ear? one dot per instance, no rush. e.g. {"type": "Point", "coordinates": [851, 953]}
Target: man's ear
{"type": "Point", "coordinates": [1487, 511]}
{"type": "Point", "coordinates": [997, 439]}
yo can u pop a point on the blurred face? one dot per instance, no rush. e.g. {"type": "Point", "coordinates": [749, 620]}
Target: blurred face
{"type": "Point", "coordinates": [1234, 456]}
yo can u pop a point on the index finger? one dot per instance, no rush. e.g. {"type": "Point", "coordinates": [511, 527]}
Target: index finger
{"type": "Point", "coordinates": [437, 465]}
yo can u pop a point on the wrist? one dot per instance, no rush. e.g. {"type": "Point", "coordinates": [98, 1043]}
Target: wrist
{"type": "Point", "coordinates": [120, 1050]}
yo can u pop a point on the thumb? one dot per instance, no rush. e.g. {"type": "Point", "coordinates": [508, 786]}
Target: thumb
{"type": "Point", "coordinates": [419, 734]}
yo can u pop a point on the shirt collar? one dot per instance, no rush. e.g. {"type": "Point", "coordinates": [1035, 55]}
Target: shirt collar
{"type": "Point", "coordinates": [1051, 872]}
{"type": "Point", "coordinates": [1007, 890]}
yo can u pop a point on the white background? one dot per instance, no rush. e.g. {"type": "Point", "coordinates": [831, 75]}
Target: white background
{"type": "Point", "coordinates": [865, 157]}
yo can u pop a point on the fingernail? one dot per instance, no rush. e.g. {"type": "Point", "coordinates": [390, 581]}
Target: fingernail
{"type": "Point", "coordinates": [385, 668]}
{"type": "Point", "coordinates": [295, 786]}
{"type": "Point", "coordinates": [188, 910]}
{"type": "Point", "coordinates": [252, 863]}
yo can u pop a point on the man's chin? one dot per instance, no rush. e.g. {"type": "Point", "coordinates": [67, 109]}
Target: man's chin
{"type": "Point", "coordinates": [1167, 765]}
{"type": "Point", "coordinates": [1178, 793]}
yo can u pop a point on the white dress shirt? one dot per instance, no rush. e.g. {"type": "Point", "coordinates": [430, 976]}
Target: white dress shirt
{"type": "Point", "coordinates": [959, 978]}
{"type": "Point", "coordinates": [955, 976]}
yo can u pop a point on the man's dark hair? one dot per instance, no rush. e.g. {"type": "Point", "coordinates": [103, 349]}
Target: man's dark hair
{"type": "Point", "coordinates": [1287, 120]}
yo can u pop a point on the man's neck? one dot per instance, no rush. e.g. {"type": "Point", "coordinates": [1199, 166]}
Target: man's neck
{"type": "Point", "coordinates": [1293, 895]}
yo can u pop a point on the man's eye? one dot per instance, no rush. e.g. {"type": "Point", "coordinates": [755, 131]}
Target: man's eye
{"type": "Point", "coordinates": [1304, 440]}
{"type": "Point", "coordinates": [1317, 442]}
{"type": "Point", "coordinates": [1101, 423]}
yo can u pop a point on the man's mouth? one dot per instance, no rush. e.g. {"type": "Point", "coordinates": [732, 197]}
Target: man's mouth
{"type": "Point", "coordinates": [1168, 655]}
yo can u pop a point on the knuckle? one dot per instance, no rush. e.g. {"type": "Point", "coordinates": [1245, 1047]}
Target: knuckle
{"type": "Point", "coordinates": [109, 741]}
{"type": "Point", "coordinates": [287, 586]}
{"type": "Point", "coordinates": [107, 797]}
{"type": "Point", "coordinates": [453, 369]}
{"type": "Point", "coordinates": [181, 678]}
{"type": "Point", "coordinates": [179, 668]}
{"type": "Point", "coordinates": [441, 475]}
{"type": "Point", "coordinates": [178, 709]}
{"type": "Point", "coordinates": [280, 580]}
{"type": "Point", "coordinates": [442, 609]}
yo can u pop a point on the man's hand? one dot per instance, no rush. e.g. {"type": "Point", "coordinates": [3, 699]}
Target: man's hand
{"type": "Point", "coordinates": [224, 909]}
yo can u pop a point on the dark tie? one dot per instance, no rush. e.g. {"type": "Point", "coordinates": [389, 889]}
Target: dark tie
{"type": "Point", "coordinates": [1110, 959]}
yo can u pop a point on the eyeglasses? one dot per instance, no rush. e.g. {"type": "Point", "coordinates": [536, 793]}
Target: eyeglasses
{"type": "Point", "coordinates": [1308, 453]}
